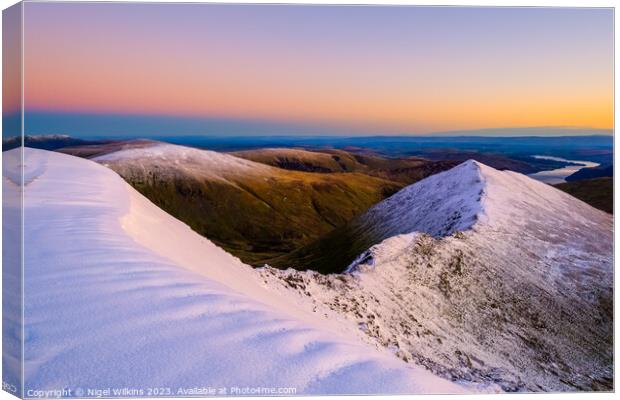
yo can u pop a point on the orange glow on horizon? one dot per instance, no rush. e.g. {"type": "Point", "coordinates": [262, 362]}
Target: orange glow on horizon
{"type": "Point", "coordinates": [83, 67]}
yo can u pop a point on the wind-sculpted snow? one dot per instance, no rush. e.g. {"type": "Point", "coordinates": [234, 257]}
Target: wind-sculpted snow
{"type": "Point", "coordinates": [118, 294]}
{"type": "Point", "coordinates": [516, 291]}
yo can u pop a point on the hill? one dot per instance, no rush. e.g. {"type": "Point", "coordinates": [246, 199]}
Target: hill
{"type": "Point", "coordinates": [602, 171]}
{"type": "Point", "coordinates": [253, 210]}
{"type": "Point", "coordinates": [403, 170]}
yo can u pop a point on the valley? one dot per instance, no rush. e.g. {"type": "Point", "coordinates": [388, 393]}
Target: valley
{"type": "Point", "coordinates": [257, 211]}
{"type": "Point", "coordinates": [289, 207]}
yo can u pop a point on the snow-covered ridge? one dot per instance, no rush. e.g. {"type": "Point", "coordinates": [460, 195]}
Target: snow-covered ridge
{"type": "Point", "coordinates": [473, 195]}
{"type": "Point", "coordinates": [439, 205]}
{"type": "Point", "coordinates": [482, 275]}
{"type": "Point", "coordinates": [120, 294]}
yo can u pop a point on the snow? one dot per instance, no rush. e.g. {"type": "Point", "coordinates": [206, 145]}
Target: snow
{"type": "Point", "coordinates": [515, 293]}
{"type": "Point", "coordinates": [120, 294]}
{"type": "Point", "coordinates": [208, 162]}
{"type": "Point", "coordinates": [11, 271]}
{"type": "Point", "coordinates": [439, 205]}
{"type": "Point", "coordinates": [485, 278]}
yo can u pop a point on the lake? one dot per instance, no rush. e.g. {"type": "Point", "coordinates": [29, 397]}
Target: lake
{"type": "Point", "coordinates": [559, 175]}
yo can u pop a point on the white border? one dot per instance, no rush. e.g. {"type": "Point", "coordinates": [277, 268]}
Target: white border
{"type": "Point", "coordinates": [479, 3]}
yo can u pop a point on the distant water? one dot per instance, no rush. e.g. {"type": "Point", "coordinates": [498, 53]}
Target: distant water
{"type": "Point", "coordinates": [559, 175]}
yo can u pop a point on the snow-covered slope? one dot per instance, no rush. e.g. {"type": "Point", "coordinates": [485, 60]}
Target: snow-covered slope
{"type": "Point", "coordinates": [483, 276]}
{"type": "Point", "coordinates": [118, 294]}
{"type": "Point", "coordinates": [438, 205]}
{"type": "Point", "coordinates": [506, 201]}
{"type": "Point", "coordinates": [215, 165]}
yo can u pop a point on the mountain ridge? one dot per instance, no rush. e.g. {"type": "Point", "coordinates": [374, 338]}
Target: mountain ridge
{"type": "Point", "coordinates": [517, 292]}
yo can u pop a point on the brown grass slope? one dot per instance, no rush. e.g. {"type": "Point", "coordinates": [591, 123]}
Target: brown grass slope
{"type": "Point", "coordinates": [403, 170]}
{"type": "Point", "coordinates": [254, 211]}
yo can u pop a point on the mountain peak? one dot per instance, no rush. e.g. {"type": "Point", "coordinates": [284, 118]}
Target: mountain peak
{"type": "Point", "coordinates": [470, 196]}
{"type": "Point", "coordinates": [438, 205]}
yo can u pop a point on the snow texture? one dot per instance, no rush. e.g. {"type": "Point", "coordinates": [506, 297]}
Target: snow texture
{"type": "Point", "coordinates": [488, 279]}
{"type": "Point", "coordinates": [120, 294]}
{"type": "Point", "coordinates": [482, 276]}
{"type": "Point", "coordinates": [208, 163]}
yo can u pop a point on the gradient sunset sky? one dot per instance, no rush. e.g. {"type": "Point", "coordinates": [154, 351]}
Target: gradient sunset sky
{"type": "Point", "coordinates": [182, 69]}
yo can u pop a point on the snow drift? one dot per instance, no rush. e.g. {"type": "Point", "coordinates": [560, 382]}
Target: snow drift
{"type": "Point", "coordinates": [119, 294]}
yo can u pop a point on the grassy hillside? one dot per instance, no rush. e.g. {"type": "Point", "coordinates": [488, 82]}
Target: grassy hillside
{"type": "Point", "coordinates": [598, 192]}
{"type": "Point", "coordinates": [254, 211]}
{"type": "Point", "coordinates": [403, 170]}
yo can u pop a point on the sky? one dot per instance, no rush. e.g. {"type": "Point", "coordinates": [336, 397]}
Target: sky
{"type": "Point", "coordinates": [185, 69]}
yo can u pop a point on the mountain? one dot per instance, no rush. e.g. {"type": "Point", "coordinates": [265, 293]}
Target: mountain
{"type": "Point", "coordinates": [428, 206]}
{"type": "Point", "coordinates": [480, 275]}
{"type": "Point", "coordinates": [302, 160]}
{"type": "Point", "coordinates": [119, 294]}
{"type": "Point", "coordinates": [597, 192]}
{"type": "Point", "coordinates": [403, 170]}
{"type": "Point", "coordinates": [253, 210]}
